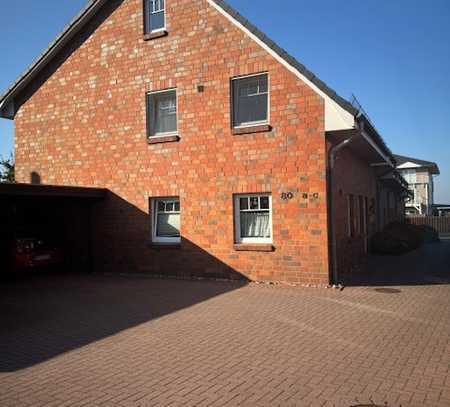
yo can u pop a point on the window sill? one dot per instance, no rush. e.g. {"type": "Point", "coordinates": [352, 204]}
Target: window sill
{"type": "Point", "coordinates": [254, 247]}
{"type": "Point", "coordinates": [154, 35]}
{"type": "Point", "coordinates": [165, 246]}
{"type": "Point", "coordinates": [264, 128]}
{"type": "Point", "coordinates": [163, 139]}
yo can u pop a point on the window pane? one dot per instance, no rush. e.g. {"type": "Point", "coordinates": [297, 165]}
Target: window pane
{"type": "Point", "coordinates": [177, 206]}
{"type": "Point", "coordinates": [255, 224]}
{"type": "Point", "coordinates": [243, 203]}
{"type": "Point", "coordinates": [263, 83]}
{"type": "Point", "coordinates": [169, 207]}
{"type": "Point", "coordinates": [168, 225]}
{"type": "Point", "coordinates": [161, 206]}
{"type": "Point", "coordinates": [248, 88]}
{"type": "Point", "coordinates": [252, 109]}
{"type": "Point", "coordinates": [250, 100]}
{"type": "Point", "coordinates": [254, 202]}
{"type": "Point", "coordinates": [157, 5]}
{"type": "Point", "coordinates": [162, 112]}
{"type": "Point", "coordinates": [157, 21]}
{"type": "Point", "coordinates": [264, 202]}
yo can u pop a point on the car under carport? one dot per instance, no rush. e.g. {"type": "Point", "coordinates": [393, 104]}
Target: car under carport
{"type": "Point", "coordinates": [62, 214]}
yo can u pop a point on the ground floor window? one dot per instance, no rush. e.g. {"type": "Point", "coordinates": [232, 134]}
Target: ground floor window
{"type": "Point", "coordinates": [253, 218]}
{"type": "Point", "coordinates": [166, 214]}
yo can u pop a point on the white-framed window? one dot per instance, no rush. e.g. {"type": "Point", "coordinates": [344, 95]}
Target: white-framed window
{"type": "Point", "coordinates": [166, 220]}
{"type": "Point", "coordinates": [253, 218]}
{"type": "Point", "coordinates": [162, 113]}
{"type": "Point", "coordinates": [250, 100]}
{"type": "Point", "coordinates": [155, 15]}
{"type": "Point", "coordinates": [410, 176]}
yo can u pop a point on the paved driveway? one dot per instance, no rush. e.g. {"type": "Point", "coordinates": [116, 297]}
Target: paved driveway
{"type": "Point", "coordinates": [127, 341]}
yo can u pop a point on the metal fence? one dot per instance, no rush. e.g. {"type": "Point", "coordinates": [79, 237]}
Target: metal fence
{"type": "Point", "coordinates": [439, 223]}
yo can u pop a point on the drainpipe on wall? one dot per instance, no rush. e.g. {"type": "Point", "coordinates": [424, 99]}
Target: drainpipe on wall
{"type": "Point", "coordinates": [332, 155]}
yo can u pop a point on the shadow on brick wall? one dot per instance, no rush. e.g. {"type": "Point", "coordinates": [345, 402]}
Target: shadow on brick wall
{"type": "Point", "coordinates": [122, 243]}
{"type": "Point", "coordinates": [46, 315]}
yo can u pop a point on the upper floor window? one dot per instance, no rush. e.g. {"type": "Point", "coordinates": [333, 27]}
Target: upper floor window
{"type": "Point", "coordinates": [162, 113]}
{"type": "Point", "coordinates": [155, 15]}
{"type": "Point", "coordinates": [250, 100]}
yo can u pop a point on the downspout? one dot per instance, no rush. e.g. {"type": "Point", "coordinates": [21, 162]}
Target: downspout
{"type": "Point", "coordinates": [332, 155]}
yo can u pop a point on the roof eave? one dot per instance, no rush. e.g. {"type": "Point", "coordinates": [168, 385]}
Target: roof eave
{"type": "Point", "coordinates": [7, 108]}
{"type": "Point", "coordinates": [376, 140]}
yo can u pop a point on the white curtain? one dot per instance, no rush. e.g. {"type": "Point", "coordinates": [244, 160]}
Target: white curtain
{"type": "Point", "coordinates": [166, 114]}
{"type": "Point", "coordinates": [168, 225]}
{"type": "Point", "coordinates": [255, 224]}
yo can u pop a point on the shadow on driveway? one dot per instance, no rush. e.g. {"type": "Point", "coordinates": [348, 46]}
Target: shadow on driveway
{"type": "Point", "coordinates": [428, 265]}
{"type": "Point", "coordinates": [47, 315]}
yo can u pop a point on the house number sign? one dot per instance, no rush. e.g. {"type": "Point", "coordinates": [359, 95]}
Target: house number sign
{"type": "Point", "coordinates": [287, 196]}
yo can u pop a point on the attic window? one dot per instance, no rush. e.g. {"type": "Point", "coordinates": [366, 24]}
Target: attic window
{"type": "Point", "coordinates": [155, 16]}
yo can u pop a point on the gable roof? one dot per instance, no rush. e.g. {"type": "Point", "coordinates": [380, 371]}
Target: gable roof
{"type": "Point", "coordinates": [349, 111]}
{"type": "Point", "coordinates": [402, 160]}
{"type": "Point", "coordinates": [84, 16]}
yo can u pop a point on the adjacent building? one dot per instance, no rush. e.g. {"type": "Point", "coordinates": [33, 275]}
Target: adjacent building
{"type": "Point", "coordinates": [419, 175]}
{"type": "Point", "coordinates": [222, 154]}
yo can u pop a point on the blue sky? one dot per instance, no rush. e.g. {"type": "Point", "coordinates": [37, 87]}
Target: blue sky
{"type": "Point", "coordinates": [394, 55]}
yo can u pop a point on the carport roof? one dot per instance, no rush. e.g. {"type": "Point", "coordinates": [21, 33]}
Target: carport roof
{"type": "Point", "coordinates": [31, 190]}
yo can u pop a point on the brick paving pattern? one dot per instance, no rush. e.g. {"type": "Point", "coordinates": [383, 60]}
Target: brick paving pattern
{"type": "Point", "coordinates": [128, 341]}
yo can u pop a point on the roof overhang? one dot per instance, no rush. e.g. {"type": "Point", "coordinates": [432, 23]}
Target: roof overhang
{"type": "Point", "coordinates": [405, 163]}
{"type": "Point", "coordinates": [8, 107]}
{"type": "Point", "coordinates": [51, 191]}
{"type": "Point", "coordinates": [392, 180]}
{"type": "Point", "coordinates": [366, 143]}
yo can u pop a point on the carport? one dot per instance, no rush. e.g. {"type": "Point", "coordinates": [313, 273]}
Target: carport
{"type": "Point", "coordinates": [59, 214]}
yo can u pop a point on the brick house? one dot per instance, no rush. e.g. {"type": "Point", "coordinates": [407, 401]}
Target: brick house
{"type": "Point", "coordinates": [222, 154]}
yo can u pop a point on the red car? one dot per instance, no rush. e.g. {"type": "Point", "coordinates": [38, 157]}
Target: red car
{"type": "Point", "coordinates": [32, 253]}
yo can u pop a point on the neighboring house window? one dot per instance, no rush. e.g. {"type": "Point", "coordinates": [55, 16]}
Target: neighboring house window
{"type": "Point", "coordinates": [155, 15]}
{"type": "Point", "coordinates": [410, 176]}
{"type": "Point", "coordinates": [162, 113]}
{"type": "Point", "coordinates": [166, 213]}
{"type": "Point", "coordinates": [250, 100]}
{"type": "Point", "coordinates": [253, 218]}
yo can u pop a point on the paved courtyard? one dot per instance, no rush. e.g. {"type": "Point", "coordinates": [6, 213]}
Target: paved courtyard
{"type": "Point", "coordinates": [130, 341]}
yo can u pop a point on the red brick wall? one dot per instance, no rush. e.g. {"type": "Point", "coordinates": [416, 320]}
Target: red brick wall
{"type": "Point", "coordinates": [354, 176]}
{"type": "Point", "coordinates": [86, 126]}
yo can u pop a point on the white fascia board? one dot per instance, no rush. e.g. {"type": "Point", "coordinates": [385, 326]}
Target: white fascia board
{"type": "Point", "coordinates": [408, 165]}
{"type": "Point", "coordinates": [7, 109]}
{"type": "Point", "coordinates": [376, 148]}
{"type": "Point", "coordinates": [336, 118]}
